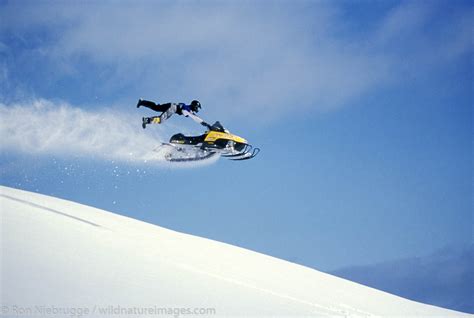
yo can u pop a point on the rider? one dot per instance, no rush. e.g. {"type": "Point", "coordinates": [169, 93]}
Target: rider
{"type": "Point", "coordinates": [169, 109]}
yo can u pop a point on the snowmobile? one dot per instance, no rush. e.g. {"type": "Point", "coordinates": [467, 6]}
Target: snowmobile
{"type": "Point", "coordinates": [214, 142]}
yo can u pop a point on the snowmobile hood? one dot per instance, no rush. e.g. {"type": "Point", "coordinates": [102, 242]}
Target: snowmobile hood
{"type": "Point", "coordinates": [216, 135]}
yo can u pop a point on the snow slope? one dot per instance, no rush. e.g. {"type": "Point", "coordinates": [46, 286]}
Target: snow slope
{"type": "Point", "coordinates": [68, 259]}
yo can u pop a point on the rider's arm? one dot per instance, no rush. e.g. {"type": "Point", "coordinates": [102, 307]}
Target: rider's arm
{"type": "Point", "coordinates": [195, 118]}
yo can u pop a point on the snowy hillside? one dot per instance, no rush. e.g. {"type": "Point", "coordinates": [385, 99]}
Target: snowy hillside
{"type": "Point", "coordinates": [60, 258]}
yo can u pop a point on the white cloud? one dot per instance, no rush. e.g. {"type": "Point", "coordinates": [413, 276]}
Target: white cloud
{"type": "Point", "coordinates": [242, 58]}
{"type": "Point", "coordinates": [418, 37]}
{"type": "Point", "coordinates": [402, 20]}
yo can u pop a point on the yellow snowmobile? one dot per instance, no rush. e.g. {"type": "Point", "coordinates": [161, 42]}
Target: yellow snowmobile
{"type": "Point", "coordinates": [214, 142]}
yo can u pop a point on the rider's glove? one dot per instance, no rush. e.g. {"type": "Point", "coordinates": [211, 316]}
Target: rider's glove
{"type": "Point", "coordinates": [206, 125]}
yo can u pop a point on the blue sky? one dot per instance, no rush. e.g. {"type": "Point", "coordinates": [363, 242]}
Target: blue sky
{"type": "Point", "coordinates": [363, 111]}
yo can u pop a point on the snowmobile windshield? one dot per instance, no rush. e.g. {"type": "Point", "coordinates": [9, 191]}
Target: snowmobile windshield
{"type": "Point", "coordinates": [218, 127]}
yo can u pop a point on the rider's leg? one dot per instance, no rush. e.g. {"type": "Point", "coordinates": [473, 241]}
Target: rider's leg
{"type": "Point", "coordinates": [153, 106]}
{"type": "Point", "coordinates": [159, 119]}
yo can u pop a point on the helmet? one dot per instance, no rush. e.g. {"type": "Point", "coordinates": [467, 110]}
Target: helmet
{"type": "Point", "coordinates": [195, 105]}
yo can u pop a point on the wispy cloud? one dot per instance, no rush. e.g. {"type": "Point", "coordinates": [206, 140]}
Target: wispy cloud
{"type": "Point", "coordinates": [418, 36]}
{"type": "Point", "coordinates": [45, 127]}
{"type": "Point", "coordinates": [241, 59]}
